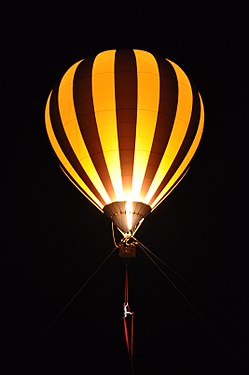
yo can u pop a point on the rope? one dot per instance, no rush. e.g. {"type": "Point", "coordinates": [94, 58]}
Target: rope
{"type": "Point", "coordinates": [126, 335]}
{"type": "Point", "coordinates": [77, 293]}
{"type": "Point", "coordinates": [200, 294]}
{"type": "Point", "coordinates": [146, 250]}
{"type": "Point", "coordinates": [113, 236]}
{"type": "Point", "coordinates": [126, 289]}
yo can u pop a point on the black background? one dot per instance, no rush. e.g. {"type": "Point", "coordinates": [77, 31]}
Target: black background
{"type": "Point", "coordinates": [53, 239]}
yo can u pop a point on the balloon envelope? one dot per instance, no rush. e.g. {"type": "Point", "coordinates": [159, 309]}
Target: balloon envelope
{"type": "Point", "coordinates": [125, 125]}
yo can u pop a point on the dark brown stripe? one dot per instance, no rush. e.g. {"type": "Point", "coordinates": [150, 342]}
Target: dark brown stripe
{"type": "Point", "coordinates": [166, 116]}
{"type": "Point", "coordinates": [65, 144]}
{"type": "Point", "coordinates": [186, 144]}
{"type": "Point", "coordinates": [82, 93]}
{"type": "Point", "coordinates": [126, 111]}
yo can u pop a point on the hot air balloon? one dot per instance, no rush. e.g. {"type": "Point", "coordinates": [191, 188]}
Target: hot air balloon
{"type": "Point", "coordinates": [125, 125]}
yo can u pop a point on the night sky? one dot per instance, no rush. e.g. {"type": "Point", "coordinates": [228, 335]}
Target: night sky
{"type": "Point", "coordinates": [54, 240]}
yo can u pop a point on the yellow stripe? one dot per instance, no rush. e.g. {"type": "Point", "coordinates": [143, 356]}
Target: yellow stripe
{"type": "Point", "coordinates": [68, 167]}
{"type": "Point", "coordinates": [103, 90]}
{"type": "Point", "coordinates": [181, 123]}
{"type": "Point", "coordinates": [72, 130]}
{"type": "Point", "coordinates": [147, 112]}
{"type": "Point", "coordinates": [186, 160]}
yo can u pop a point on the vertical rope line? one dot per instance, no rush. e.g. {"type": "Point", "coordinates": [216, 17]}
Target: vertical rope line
{"type": "Point", "coordinates": [126, 335]}
{"type": "Point", "coordinates": [126, 286]}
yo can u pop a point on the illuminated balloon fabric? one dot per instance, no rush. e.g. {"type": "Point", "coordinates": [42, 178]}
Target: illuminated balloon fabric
{"type": "Point", "coordinates": [125, 125]}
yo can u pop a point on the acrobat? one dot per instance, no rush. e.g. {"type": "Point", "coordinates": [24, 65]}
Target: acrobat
{"type": "Point", "coordinates": [127, 310]}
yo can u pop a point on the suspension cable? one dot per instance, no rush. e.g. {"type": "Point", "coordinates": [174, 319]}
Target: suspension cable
{"type": "Point", "coordinates": [160, 260]}
{"type": "Point", "coordinates": [77, 293]}
{"type": "Point", "coordinates": [217, 335]}
{"type": "Point", "coordinates": [171, 282]}
{"type": "Point", "coordinates": [187, 283]}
